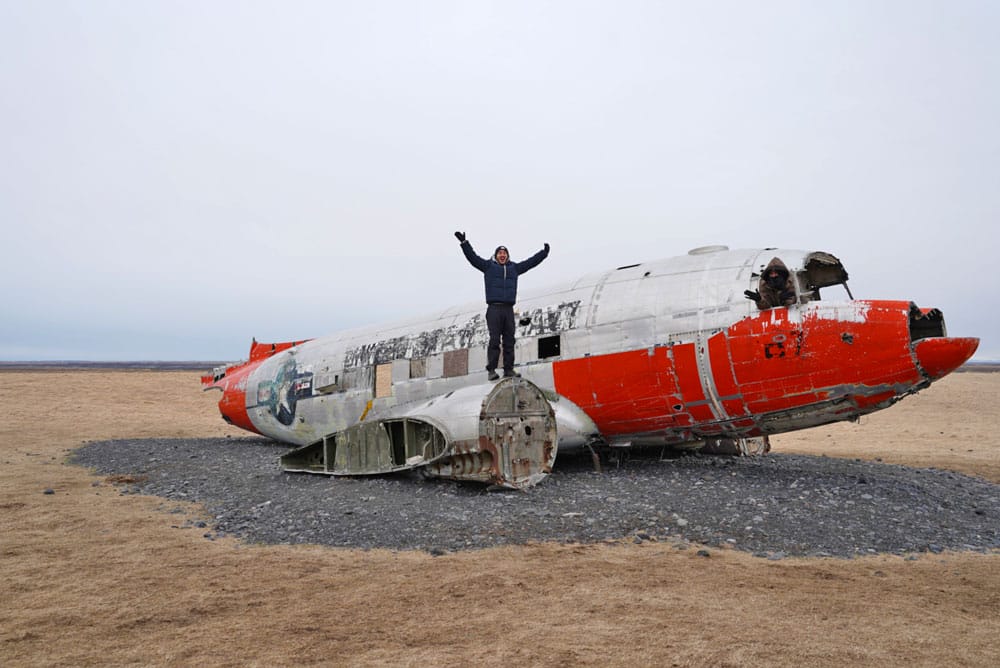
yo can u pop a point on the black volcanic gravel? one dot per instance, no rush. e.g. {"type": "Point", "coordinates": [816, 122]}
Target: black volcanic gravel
{"type": "Point", "coordinates": [773, 506]}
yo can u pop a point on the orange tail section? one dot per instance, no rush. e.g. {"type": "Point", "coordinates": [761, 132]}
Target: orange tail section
{"type": "Point", "coordinates": [232, 380]}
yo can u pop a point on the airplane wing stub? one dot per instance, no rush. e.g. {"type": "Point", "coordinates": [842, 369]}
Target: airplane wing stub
{"type": "Point", "coordinates": [502, 434]}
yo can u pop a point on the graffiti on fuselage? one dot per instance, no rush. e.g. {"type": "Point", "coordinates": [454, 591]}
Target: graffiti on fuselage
{"type": "Point", "coordinates": [544, 320]}
{"type": "Point", "coordinates": [282, 394]}
{"type": "Point", "coordinates": [548, 320]}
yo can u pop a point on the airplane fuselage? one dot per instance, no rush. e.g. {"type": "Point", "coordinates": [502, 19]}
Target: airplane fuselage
{"type": "Point", "coordinates": [668, 352]}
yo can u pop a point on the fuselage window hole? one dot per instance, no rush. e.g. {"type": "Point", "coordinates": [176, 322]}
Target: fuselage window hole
{"type": "Point", "coordinates": [548, 346]}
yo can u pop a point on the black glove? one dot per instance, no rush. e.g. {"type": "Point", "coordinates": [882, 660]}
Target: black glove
{"type": "Point", "coordinates": [546, 248]}
{"type": "Point", "coordinates": [460, 236]}
{"type": "Point", "coordinates": [752, 294]}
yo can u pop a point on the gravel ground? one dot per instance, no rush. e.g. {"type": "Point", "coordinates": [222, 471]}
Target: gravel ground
{"type": "Point", "coordinates": [772, 506]}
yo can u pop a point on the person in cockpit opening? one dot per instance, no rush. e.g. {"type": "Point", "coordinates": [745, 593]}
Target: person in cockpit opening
{"type": "Point", "coordinates": [500, 277]}
{"type": "Point", "coordinates": [775, 287]}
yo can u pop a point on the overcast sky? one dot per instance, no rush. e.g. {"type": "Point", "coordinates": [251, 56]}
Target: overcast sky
{"type": "Point", "coordinates": [177, 177]}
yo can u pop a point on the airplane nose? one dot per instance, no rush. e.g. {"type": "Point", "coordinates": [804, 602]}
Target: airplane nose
{"type": "Point", "coordinates": [939, 356]}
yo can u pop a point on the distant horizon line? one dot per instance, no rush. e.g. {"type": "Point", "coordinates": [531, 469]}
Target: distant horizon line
{"type": "Point", "coordinates": [180, 365]}
{"type": "Point", "coordinates": [206, 365]}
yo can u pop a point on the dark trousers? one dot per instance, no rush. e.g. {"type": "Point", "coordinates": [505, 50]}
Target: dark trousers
{"type": "Point", "coordinates": [500, 322]}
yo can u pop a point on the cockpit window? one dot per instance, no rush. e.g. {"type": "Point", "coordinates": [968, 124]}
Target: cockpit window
{"type": "Point", "coordinates": [821, 270]}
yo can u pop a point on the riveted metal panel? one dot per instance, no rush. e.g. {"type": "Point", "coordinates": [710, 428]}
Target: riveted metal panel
{"type": "Point", "coordinates": [456, 363]}
{"type": "Point", "coordinates": [435, 366]}
{"type": "Point", "coordinates": [477, 359]}
{"type": "Point", "coordinates": [400, 370]}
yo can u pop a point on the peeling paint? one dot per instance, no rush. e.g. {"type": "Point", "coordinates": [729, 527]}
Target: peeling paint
{"type": "Point", "coordinates": [856, 311]}
{"type": "Point", "coordinates": [471, 333]}
{"type": "Point", "coordinates": [551, 319]}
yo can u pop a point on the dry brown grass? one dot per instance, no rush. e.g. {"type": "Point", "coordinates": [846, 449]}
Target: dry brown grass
{"type": "Point", "coordinates": [91, 577]}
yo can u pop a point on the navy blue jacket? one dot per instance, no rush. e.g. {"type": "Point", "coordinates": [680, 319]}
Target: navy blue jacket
{"type": "Point", "coordinates": [501, 279]}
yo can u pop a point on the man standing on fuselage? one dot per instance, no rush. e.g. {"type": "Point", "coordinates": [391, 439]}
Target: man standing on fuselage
{"type": "Point", "coordinates": [500, 277]}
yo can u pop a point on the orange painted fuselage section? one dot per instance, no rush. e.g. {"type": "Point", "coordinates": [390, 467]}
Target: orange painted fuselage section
{"type": "Point", "coordinates": [745, 380]}
{"type": "Point", "coordinates": [233, 404]}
